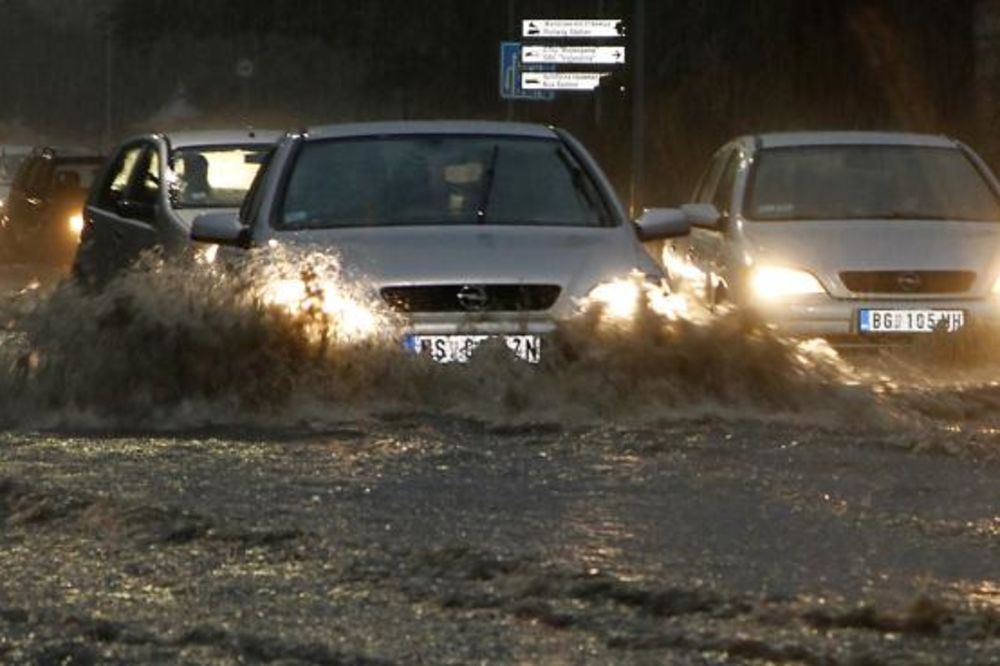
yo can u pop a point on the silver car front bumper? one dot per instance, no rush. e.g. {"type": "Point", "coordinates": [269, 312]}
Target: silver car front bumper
{"type": "Point", "coordinates": [823, 316]}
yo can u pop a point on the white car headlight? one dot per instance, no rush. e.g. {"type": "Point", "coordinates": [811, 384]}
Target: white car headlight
{"type": "Point", "coordinates": [996, 287]}
{"type": "Point", "coordinates": [774, 282]}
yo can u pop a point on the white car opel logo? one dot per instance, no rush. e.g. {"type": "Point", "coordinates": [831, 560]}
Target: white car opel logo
{"type": "Point", "coordinates": [473, 298]}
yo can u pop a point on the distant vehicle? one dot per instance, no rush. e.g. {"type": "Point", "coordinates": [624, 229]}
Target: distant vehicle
{"type": "Point", "coordinates": [42, 215]}
{"type": "Point", "coordinates": [861, 235]}
{"type": "Point", "coordinates": [11, 157]}
{"type": "Point", "coordinates": [470, 230]}
{"type": "Point", "coordinates": [155, 185]}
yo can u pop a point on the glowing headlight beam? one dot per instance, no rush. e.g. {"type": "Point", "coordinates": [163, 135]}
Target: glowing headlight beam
{"type": "Point", "coordinates": [75, 223]}
{"type": "Point", "coordinates": [773, 282]}
{"type": "Point", "coordinates": [348, 317]}
{"type": "Point", "coordinates": [620, 299]}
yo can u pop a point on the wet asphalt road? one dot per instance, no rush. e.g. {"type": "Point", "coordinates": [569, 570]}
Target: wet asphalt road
{"type": "Point", "coordinates": [412, 540]}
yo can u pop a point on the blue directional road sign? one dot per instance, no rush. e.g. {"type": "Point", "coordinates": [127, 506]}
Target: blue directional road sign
{"type": "Point", "coordinates": [510, 75]}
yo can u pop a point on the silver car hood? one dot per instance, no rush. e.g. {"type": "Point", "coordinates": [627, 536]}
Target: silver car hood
{"type": "Point", "coordinates": [575, 258]}
{"type": "Point", "coordinates": [877, 244]}
{"type": "Point", "coordinates": [830, 246]}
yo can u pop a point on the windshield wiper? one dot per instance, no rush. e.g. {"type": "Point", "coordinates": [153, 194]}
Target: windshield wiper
{"type": "Point", "coordinates": [488, 177]}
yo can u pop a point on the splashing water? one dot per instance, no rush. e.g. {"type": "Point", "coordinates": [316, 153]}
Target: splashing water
{"type": "Point", "coordinates": [288, 340]}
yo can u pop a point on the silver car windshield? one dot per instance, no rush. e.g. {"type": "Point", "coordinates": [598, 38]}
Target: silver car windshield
{"type": "Point", "coordinates": [214, 176]}
{"type": "Point", "coordinates": [869, 182]}
{"type": "Point", "coordinates": [430, 180]}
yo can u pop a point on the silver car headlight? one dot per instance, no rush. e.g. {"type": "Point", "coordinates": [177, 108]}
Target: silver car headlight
{"type": "Point", "coordinates": [355, 320]}
{"type": "Point", "coordinates": [771, 283]}
{"type": "Point", "coordinates": [619, 298]}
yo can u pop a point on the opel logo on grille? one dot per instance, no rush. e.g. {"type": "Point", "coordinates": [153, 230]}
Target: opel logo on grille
{"type": "Point", "coordinates": [909, 282]}
{"type": "Point", "coordinates": [473, 298]}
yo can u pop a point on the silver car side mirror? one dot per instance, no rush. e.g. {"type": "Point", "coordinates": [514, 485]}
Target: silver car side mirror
{"type": "Point", "coordinates": [662, 223]}
{"type": "Point", "coordinates": [704, 215]}
{"type": "Point", "coordinates": [220, 228]}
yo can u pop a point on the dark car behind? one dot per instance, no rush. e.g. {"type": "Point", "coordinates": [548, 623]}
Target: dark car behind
{"type": "Point", "coordinates": [42, 217]}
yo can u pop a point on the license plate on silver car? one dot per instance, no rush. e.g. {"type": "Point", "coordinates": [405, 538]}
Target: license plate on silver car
{"type": "Point", "coordinates": [459, 348]}
{"type": "Point", "coordinates": [910, 321]}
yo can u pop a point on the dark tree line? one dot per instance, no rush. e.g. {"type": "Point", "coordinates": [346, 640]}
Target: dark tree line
{"type": "Point", "coordinates": [715, 68]}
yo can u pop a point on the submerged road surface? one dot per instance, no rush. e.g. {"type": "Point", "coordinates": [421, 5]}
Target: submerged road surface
{"type": "Point", "coordinates": [417, 540]}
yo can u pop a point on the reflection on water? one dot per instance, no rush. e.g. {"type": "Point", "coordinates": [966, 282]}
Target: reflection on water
{"type": "Point", "coordinates": [980, 594]}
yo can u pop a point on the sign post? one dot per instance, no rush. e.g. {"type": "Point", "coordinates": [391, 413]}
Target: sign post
{"type": "Point", "coordinates": [512, 73]}
{"type": "Point", "coordinates": [573, 55]}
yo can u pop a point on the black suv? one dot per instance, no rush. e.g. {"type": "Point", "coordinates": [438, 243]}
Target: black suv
{"type": "Point", "coordinates": [43, 215]}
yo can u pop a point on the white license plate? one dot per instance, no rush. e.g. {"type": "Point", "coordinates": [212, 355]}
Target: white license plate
{"type": "Point", "coordinates": [910, 321]}
{"type": "Point", "coordinates": [459, 348]}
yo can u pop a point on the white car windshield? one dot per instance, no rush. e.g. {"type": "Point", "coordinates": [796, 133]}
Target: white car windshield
{"type": "Point", "coordinates": [214, 176]}
{"type": "Point", "coordinates": [869, 182]}
{"type": "Point", "coordinates": [417, 180]}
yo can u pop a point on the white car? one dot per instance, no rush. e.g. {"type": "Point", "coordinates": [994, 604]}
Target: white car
{"type": "Point", "coordinates": [853, 234]}
{"type": "Point", "coordinates": [154, 186]}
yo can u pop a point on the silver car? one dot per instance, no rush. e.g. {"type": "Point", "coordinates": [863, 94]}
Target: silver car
{"type": "Point", "coordinates": [154, 186]}
{"type": "Point", "coordinates": [468, 230]}
{"type": "Point", "coordinates": [850, 234]}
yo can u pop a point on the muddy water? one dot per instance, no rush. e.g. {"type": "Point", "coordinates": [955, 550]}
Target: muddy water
{"type": "Point", "coordinates": [190, 475]}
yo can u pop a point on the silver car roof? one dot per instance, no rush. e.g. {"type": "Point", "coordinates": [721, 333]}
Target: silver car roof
{"type": "Point", "coordinates": [796, 139]}
{"type": "Point", "coordinates": [486, 128]}
{"type": "Point", "coordinates": [229, 137]}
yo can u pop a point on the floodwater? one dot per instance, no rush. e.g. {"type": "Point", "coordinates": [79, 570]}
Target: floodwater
{"type": "Point", "coordinates": [190, 475]}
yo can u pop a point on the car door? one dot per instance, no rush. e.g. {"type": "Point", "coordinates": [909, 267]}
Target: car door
{"type": "Point", "coordinates": [120, 216]}
{"type": "Point", "coordinates": [698, 256]}
{"type": "Point", "coordinates": [713, 242]}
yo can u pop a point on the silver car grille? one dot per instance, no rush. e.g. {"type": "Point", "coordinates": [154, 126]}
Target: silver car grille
{"type": "Point", "coordinates": [908, 282]}
{"type": "Point", "coordinates": [472, 297]}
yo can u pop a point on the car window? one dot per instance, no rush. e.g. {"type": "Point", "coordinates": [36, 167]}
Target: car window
{"type": "Point", "coordinates": [707, 186]}
{"type": "Point", "coordinates": [145, 186]}
{"type": "Point", "coordinates": [120, 176]}
{"type": "Point", "coordinates": [723, 197]}
{"type": "Point", "coordinates": [75, 174]}
{"type": "Point", "coordinates": [255, 196]}
{"type": "Point", "coordinates": [448, 179]}
{"type": "Point", "coordinates": [214, 176]}
{"type": "Point", "coordinates": [39, 181]}
{"type": "Point", "coordinates": [869, 182]}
